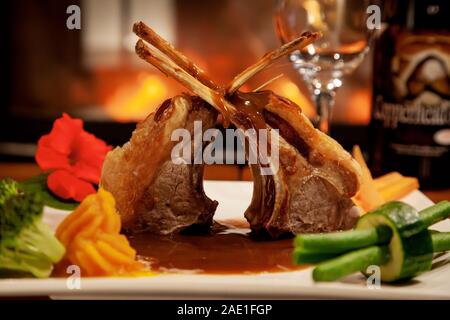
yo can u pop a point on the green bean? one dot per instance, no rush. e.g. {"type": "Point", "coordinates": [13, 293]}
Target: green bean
{"type": "Point", "coordinates": [351, 262]}
{"type": "Point", "coordinates": [340, 242]}
{"type": "Point", "coordinates": [301, 256]}
{"type": "Point", "coordinates": [441, 241]}
{"type": "Point", "coordinates": [436, 213]}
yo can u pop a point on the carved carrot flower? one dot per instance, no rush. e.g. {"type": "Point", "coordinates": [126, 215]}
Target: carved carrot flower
{"type": "Point", "coordinates": [74, 158]}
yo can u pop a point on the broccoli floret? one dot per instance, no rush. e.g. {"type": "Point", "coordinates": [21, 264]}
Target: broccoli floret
{"type": "Point", "coordinates": [26, 244]}
{"type": "Point", "coordinates": [8, 188]}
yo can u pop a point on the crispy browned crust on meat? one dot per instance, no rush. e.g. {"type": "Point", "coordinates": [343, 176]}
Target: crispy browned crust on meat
{"type": "Point", "coordinates": [152, 193]}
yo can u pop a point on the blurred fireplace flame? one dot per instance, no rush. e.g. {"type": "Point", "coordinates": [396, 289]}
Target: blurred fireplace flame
{"type": "Point", "coordinates": [141, 93]}
{"type": "Point", "coordinates": [134, 101]}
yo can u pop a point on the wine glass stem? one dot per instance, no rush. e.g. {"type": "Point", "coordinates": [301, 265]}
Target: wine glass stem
{"type": "Point", "coordinates": [324, 103]}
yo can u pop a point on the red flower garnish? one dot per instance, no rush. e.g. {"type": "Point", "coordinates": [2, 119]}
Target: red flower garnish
{"type": "Point", "coordinates": [74, 156]}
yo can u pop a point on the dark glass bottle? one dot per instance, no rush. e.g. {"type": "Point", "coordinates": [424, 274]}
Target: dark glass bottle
{"type": "Point", "coordinates": [410, 126]}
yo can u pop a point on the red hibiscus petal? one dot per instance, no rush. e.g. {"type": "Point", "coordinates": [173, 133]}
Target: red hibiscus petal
{"type": "Point", "coordinates": [76, 155]}
{"type": "Point", "coordinates": [66, 186]}
{"type": "Point", "coordinates": [55, 148]}
{"type": "Point", "coordinates": [89, 154]}
{"type": "Point", "coordinates": [48, 158]}
{"type": "Point", "coordinates": [65, 130]}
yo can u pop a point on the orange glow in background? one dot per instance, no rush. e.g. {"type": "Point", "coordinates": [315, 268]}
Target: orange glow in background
{"type": "Point", "coordinates": [356, 107]}
{"type": "Point", "coordinates": [134, 101]}
{"type": "Point", "coordinates": [130, 96]}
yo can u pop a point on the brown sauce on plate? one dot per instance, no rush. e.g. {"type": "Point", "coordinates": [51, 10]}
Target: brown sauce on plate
{"type": "Point", "coordinates": [227, 249]}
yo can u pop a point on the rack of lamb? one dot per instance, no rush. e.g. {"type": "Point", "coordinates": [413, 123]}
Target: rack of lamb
{"type": "Point", "coordinates": [310, 191]}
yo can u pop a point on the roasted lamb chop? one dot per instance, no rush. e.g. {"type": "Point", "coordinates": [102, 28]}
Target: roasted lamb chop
{"type": "Point", "coordinates": [152, 193]}
{"type": "Point", "coordinates": [310, 192]}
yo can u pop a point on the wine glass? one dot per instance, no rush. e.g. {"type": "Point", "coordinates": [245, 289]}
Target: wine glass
{"type": "Point", "coordinates": [345, 42]}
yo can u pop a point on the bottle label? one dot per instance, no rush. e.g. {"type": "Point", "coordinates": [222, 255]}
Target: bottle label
{"type": "Point", "coordinates": [411, 110]}
{"type": "Point", "coordinates": [416, 104]}
{"type": "Point", "coordinates": [416, 112]}
{"type": "Point", "coordinates": [420, 83]}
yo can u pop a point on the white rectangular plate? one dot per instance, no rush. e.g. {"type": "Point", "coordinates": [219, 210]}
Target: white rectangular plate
{"type": "Point", "coordinates": [233, 198]}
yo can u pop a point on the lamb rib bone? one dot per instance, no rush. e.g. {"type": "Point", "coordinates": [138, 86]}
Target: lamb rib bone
{"type": "Point", "coordinates": [304, 40]}
{"type": "Point", "coordinates": [177, 59]}
{"type": "Point", "coordinates": [169, 68]}
{"type": "Point", "coordinates": [146, 33]}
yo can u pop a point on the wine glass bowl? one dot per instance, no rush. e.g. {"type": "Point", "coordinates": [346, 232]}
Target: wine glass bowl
{"type": "Point", "coordinates": [344, 44]}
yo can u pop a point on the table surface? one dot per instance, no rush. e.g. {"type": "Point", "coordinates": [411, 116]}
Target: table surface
{"type": "Point", "coordinates": [21, 171]}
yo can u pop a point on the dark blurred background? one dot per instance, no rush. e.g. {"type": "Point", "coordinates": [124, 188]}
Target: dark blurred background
{"type": "Point", "coordinates": [94, 74]}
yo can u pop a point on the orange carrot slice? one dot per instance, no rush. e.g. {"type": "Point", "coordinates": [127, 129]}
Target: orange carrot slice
{"type": "Point", "coordinates": [99, 260]}
{"type": "Point", "coordinates": [387, 180]}
{"type": "Point", "coordinates": [112, 254]}
{"type": "Point", "coordinates": [368, 196]}
{"type": "Point", "coordinates": [400, 188]}
{"type": "Point", "coordinates": [92, 239]}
